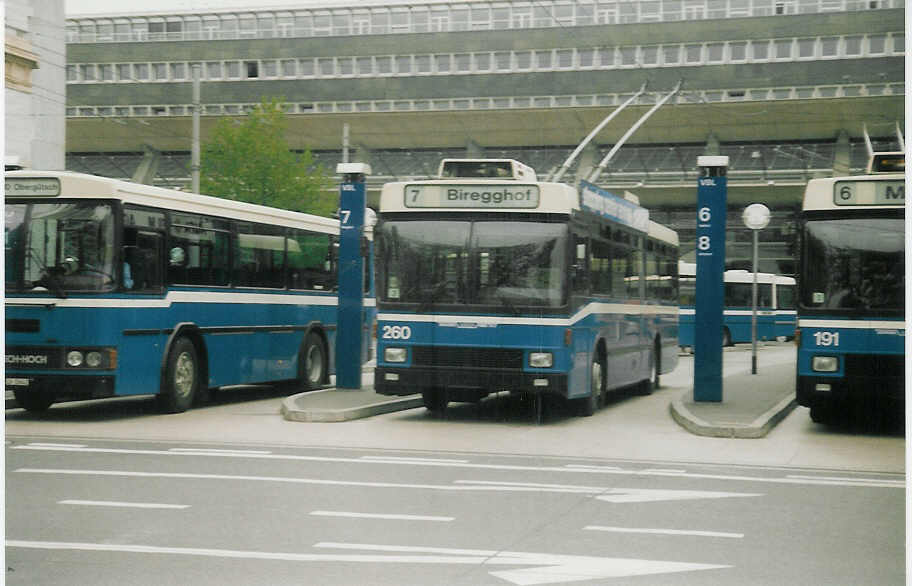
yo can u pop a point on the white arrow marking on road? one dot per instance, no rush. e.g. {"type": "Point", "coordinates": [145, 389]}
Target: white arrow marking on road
{"type": "Point", "coordinates": [645, 495]}
{"type": "Point", "coordinates": [553, 569]}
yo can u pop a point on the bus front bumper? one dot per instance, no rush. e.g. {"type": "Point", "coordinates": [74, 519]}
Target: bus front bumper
{"type": "Point", "coordinates": [62, 387]}
{"type": "Point", "coordinates": [817, 391]}
{"type": "Point", "coordinates": [472, 383]}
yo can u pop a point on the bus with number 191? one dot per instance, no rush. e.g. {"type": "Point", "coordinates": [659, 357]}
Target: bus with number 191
{"type": "Point", "coordinates": [851, 302]}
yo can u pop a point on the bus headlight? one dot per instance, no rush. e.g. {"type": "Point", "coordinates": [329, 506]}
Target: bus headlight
{"type": "Point", "coordinates": [93, 359]}
{"type": "Point", "coordinates": [824, 364]}
{"type": "Point", "coordinates": [541, 359]}
{"type": "Point", "coordinates": [394, 354]}
{"type": "Point", "coordinates": [74, 358]}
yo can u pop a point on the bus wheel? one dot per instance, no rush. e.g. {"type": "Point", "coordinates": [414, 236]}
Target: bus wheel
{"type": "Point", "coordinates": [652, 383]}
{"type": "Point", "coordinates": [312, 362]}
{"type": "Point", "coordinates": [819, 414]}
{"type": "Point", "coordinates": [435, 400]}
{"type": "Point", "coordinates": [726, 338]}
{"type": "Point", "coordinates": [181, 377]}
{"type": "Point", "coordinates": [36, 399]}
{"type": "Point", "coordinates": [589, 405]}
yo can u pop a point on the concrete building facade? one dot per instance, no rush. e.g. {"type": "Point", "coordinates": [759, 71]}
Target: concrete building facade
{"type": "Point", "coordinates": [35, 84]}
{"type": "Point", "coordinates": [788, 89]}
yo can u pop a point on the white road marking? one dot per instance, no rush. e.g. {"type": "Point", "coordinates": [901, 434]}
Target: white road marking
{"type": "Point", "coordinates": [123, 504]}
{"type": "Point", "coordinates": [407, 460]}
{"type": "Point", "coordinates": [663, 471]}
{"type": "Point", "coordinates": [809, 480]}
{"type": "Point", "coordinates": [550, 568]}
{"type": "Point", "coordinates": [380, 516]}
{"type": "Point", "coordinates": [586, 467]}
{"type": "Point", "coordinates": [614, 495]}
{"type": "Point", "coordinates": [850, 480]}
{"type": "Point", "coordinates": [54, 446]}
{"type": "Point", "coordinates": [663, 531]}
{"type": "Point", "coordinates": [215, 451]}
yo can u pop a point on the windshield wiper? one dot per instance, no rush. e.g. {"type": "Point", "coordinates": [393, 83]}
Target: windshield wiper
{"type": "Point", "coordinates": [50, 276]}
{"type": "Point", "coordinates": [507, 304]}
{"type": "Point", "coordinates": [427, 297]}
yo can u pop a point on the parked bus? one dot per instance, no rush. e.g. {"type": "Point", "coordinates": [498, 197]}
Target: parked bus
{"type": "Point", "coordinates": [851, 303]}
{"type": "Point", "coordinates": [115, 288]}
{"type": "Point", "coordinates": [775, 306]}
{"type": "Point", "coordinates": [489, 280]}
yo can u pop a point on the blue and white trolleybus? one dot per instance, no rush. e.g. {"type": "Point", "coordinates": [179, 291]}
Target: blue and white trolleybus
{"type": "Point", "coordinates": [489, 280]}
{"type": "Point", "coordinates": [115, 288]}
{"type": "Point", "coordinates": [851, 325]}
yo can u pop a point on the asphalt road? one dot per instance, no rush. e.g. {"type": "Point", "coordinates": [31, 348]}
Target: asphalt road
{"type": "Point", "coordinates": [117, 512]}
{"type": "Point", "coordinates": [110, 492]}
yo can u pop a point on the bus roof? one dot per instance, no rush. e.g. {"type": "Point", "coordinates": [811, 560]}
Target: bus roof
{"type": "Point", "coordinates": [28, 184]}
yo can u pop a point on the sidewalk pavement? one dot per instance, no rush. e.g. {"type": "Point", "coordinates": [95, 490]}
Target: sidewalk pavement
{"type": "Point", "coordinates": [751, 405]}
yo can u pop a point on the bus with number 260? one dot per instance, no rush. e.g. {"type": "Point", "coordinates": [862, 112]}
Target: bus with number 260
{"type": "Point", "coordinates": [489, 280]}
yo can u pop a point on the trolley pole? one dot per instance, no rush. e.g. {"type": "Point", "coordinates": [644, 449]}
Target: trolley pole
{"type": "Point", "coordinates": [352, 202]}
{"type": "Point", "coordinates": [712, 192]}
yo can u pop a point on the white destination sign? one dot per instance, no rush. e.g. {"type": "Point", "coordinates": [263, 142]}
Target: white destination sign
{"type": "Point", "coordinates": [860, 193]}
{"type": "Point", "coordinates": [472, 195]}
{"type": "Point", "coordinates": [32, 186]}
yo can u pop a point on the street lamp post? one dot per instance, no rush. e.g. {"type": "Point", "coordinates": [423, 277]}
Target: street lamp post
{"type": "Point", "coordinates": [756, 216]}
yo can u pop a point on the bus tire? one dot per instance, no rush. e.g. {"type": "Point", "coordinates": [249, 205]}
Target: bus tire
{"type": "Point", "coordinates": [35, 400]}
{"type": "Point", "coordinates": [655, 362]}
{"type": "Point", "coordinates": [435, 400]}
{"type": "Point", "coordinates": [589, 405]}
{"type": "Point", "coordinates": [820, 414]}
{"type": "Point", "coordinates": [182, 377]}
{"type": "Point", "coordinates": [312, 362]}
{"type": "Point", "coordinates": [726, 338]}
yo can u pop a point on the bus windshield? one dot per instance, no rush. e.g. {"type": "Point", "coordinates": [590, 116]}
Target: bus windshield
{"type": "Point", "coordinates": [59, 247]}
{"type": "Point", "coordinates": [854, 264]}
{"type": "Point", "coordinates": [491, 263]}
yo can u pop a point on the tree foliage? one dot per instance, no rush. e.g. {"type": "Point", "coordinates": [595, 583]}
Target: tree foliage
{"type": "Point", "coordinates": [250, 160]}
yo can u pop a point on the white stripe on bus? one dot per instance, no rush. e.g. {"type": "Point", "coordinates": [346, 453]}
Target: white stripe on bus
{"type": "Point", "coordinates": [853, 324]}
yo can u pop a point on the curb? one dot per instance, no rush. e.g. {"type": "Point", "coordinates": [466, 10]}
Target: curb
{"type": "Point", "coordinates": [758, 428]}
{"type": "Point", "coordinates": [291, 412]}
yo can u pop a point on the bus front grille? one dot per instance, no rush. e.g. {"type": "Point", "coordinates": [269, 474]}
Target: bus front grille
{"type": "Point", "coordinates": [455, 357]}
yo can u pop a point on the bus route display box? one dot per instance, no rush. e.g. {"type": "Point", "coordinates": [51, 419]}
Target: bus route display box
{"type": "Point", "coordinates": [352, 201]}
{"type": "Point", "coordinates": [712, 191]}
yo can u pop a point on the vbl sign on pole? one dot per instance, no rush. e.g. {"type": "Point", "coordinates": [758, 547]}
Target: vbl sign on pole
{"type": "Point", "coordinates": [710, 289]}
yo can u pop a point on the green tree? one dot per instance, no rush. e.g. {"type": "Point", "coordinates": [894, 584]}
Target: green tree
{"type": "Point", "coordinates": [249, 160]}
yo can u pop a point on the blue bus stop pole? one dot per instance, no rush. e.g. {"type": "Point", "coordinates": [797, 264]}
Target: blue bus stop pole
{"type": "Point", "coordinates": [352, 201]}
{"type": "Point", "coordinates": [712, 192]}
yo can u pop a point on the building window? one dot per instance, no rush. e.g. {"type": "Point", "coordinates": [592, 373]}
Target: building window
{"type": "Point", "coordinates": [160, 71]}
{"type": "Point", "coordinates": [737, 50]}
{"type": "Point", "coordinates": [326, 66]}
{"type": "Point", "coordinates": [141, 71]}
{"type": "Point", "coordinates": [288, 67]}
{"type": "Point", "coordinates": [252, 69]}
{"type": "Point", "coordinates": [178, 70]}
{"type": "Point", "coordinates": [364, 65]}
{"type": "Point", "coordinates": [87, 72]}
{"type": "Point", "coordinates": [106, 72]}
{"type": "Point", "coordinates": [233, 69]}
{"type": "Point", "coordinates": [671, 54]}
{"type": "Point", "coordinates": [305, 67]}
{"type": "Point", "coordinates": [404, 64]}
{"type": "Point", "coordinates": [543, 60]}
{"type": "Point", "coordinates": [482, 61]}
{"type": "Point", "coordinates": [214, 70]}
{"type": "Point", "coordinates": [384, 64]}
{"type": "Point", "coordinates": [72, 74]}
